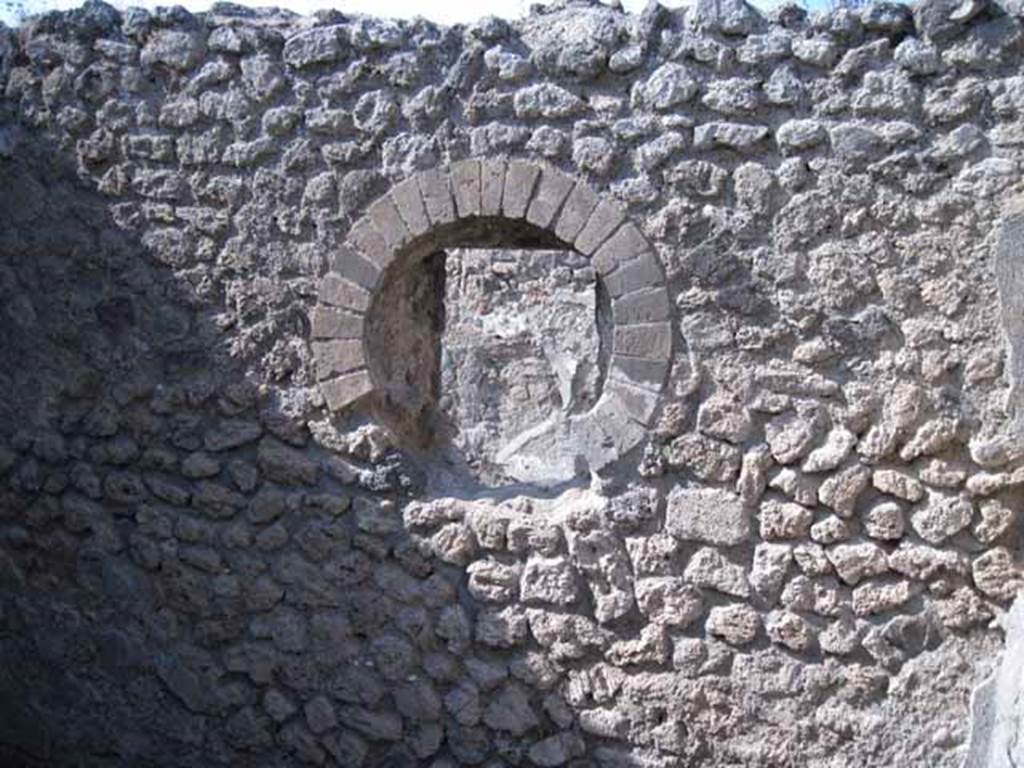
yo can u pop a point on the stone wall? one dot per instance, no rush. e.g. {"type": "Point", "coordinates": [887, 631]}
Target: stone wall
{"type": "Point", "coordinates": [774, 523]}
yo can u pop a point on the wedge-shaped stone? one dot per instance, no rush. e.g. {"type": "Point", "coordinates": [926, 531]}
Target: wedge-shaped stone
{"type": "Point", "coordinates": [650, 341]}
{"type": "Point", "coordinates": [330, 323]}
{"type": "Point", "coordinates": [409, 201]}
{"type": "Point", "coordinates": [552, 190]}
{"type": "Point", "coordinates": [625, 245]}
{"type": "Point", "coordinates": [605, 219]}
{"type": "Point", "coordinates": [574, 214]}
{"type": "Point", "coordinates": [466, 187]}
{"type": "Point", "coordinates": [352, 265]}
{"type": "Point", "coordinates": [339, 292]}
{"type": "Point", "coordinates": [648, 374]}
{"type": "Point", "coordinates": [638, 403]}
{"type": "Point", "coordinates": [649, 305]}
{"type": "Point", "coordinates": [344, 390]}
{"type": "Point", "coordinates": [492, 186]}
{"type": "Point", "coordinates": [606, 432]}
{"type": "Point", "coordinates": [520, 181]}
{"type": "Point", "coordinates": [435, 186]}
{"type": "Point", "coordinates": [642, 272]}
{"type": "Point", "coordinates": [338, 356]}
{"type": "Point", "coordinates": [365, 239]}
{"type": "Point", "coordinates": [388, 222]}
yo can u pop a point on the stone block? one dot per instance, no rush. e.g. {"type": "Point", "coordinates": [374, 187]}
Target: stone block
{"type": "Point", "coordinates": [574, 214]}
{"type": "Point", "coordinates": [466, 187]}
{"type": "Point", "coordinates": [436, 188]}
{"type": "Point", "coordinates": [355, 267]}
{"type": "Point", "coordinates": [388, 222]}
{"type": "Point", "coordinates": [520, 180]}
{"type": "Point", "coordinates": [650, 341]}
{"type": "Point", "coordinates": [642, 272]}
{"type": "Point", "coordinates": [339, 292]}
{"type": "Point", "coordinates": [639, 403]}
{"type": "Point", "coordinates": [606, 432]}
{"type": "Point", "coordinates": [365, 238]}
{"type": "Point", "coordinates": [709, 515]}
{"type": "Point", "coordinates": [626, 244]}
{"type": "Point", "coordinates": [492, 186]}
{"type": "Point", "coordinates": [552, 190]}
{"type": "Point", "coordinates": [344, 390]}
{"type": "Point", "coordinates": [738, 136]}
{"type": "Point", "coordinates": [320, 45]}
{"type": "Point", "coordinates": [409, 201]}
{"type": "Point", "coordinates": [338, 356]}
{"type": "Point", "coordinates": [649, 374]}
{"type": "Point", "coordinates": [605, 219]}
{"type": "Point", "coordinates": [649, 305]}
{"type": "Point", "coordinates": [330, 323]}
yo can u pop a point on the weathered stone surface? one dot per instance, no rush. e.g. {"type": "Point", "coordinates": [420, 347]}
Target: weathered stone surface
{"type": "Point", "coordinates": [782, 520]}
{"type": "Point", "coordinates": [941, 516]}
{"type": "Point", "coordinates": [736, 624]}
{"type": "Point", "coordinates": [707, 515]}
{"type": "Point", "coordinates": [549, 580]}
{"type": "Point", "coordinates": [708, 568]}
{"type": "Point", "coordinates": [321, 45]}
{"type": "Point", "coordinates": [297, 466]}
{"type": "Point", "coordinates": [855, 562]}
{"type": "Point", "coordinates": [738, 136]}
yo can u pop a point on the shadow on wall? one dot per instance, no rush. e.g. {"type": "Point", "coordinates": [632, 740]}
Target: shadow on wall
{"type": "Point", "coordinates": [187, 578]}
{"type": "Point", "coordinates": [179, 566]}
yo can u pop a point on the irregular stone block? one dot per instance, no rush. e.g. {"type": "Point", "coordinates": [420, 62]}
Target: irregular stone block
{"type": "Point", "coordinates": [738, 136]}
{"type": "Point", "coordinates": [795, 135]}
{"type": "Point", "coordinates": [549, 580]}
{"type": "Point", "coordinates": [941, 517]}
{"type": "Point", "coordinates": [855, 562]}
{"type": "Point", "coordinates": [669, 85]}
{"type": "Point", "coordinates": [783, 520]}
{"type": "Point", "coordinates": [709, 568]}
{"type": "Point", "coordinates": [321, 45]}
{"type": "Point", "coordinates": [872, 598]}
{"type": "Point", "coordinates": [669, 601]}
{"type": "Point", "coordinates": [736, 624]}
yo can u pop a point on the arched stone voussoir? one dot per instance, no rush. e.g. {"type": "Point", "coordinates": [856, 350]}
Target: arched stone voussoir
{"type": "Point", "coordinates": [498, 202]}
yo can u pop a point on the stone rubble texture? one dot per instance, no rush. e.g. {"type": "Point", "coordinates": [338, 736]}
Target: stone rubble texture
{"type": "Point", "coordinates": [759, 506]}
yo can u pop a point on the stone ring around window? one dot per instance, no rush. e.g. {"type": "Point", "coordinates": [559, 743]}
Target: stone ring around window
{"type": "Point", "coordinates": [505, 203]}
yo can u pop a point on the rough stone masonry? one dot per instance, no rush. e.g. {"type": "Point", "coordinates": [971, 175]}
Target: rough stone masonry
{"type": "Point", "coordinates": [733, 479]}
